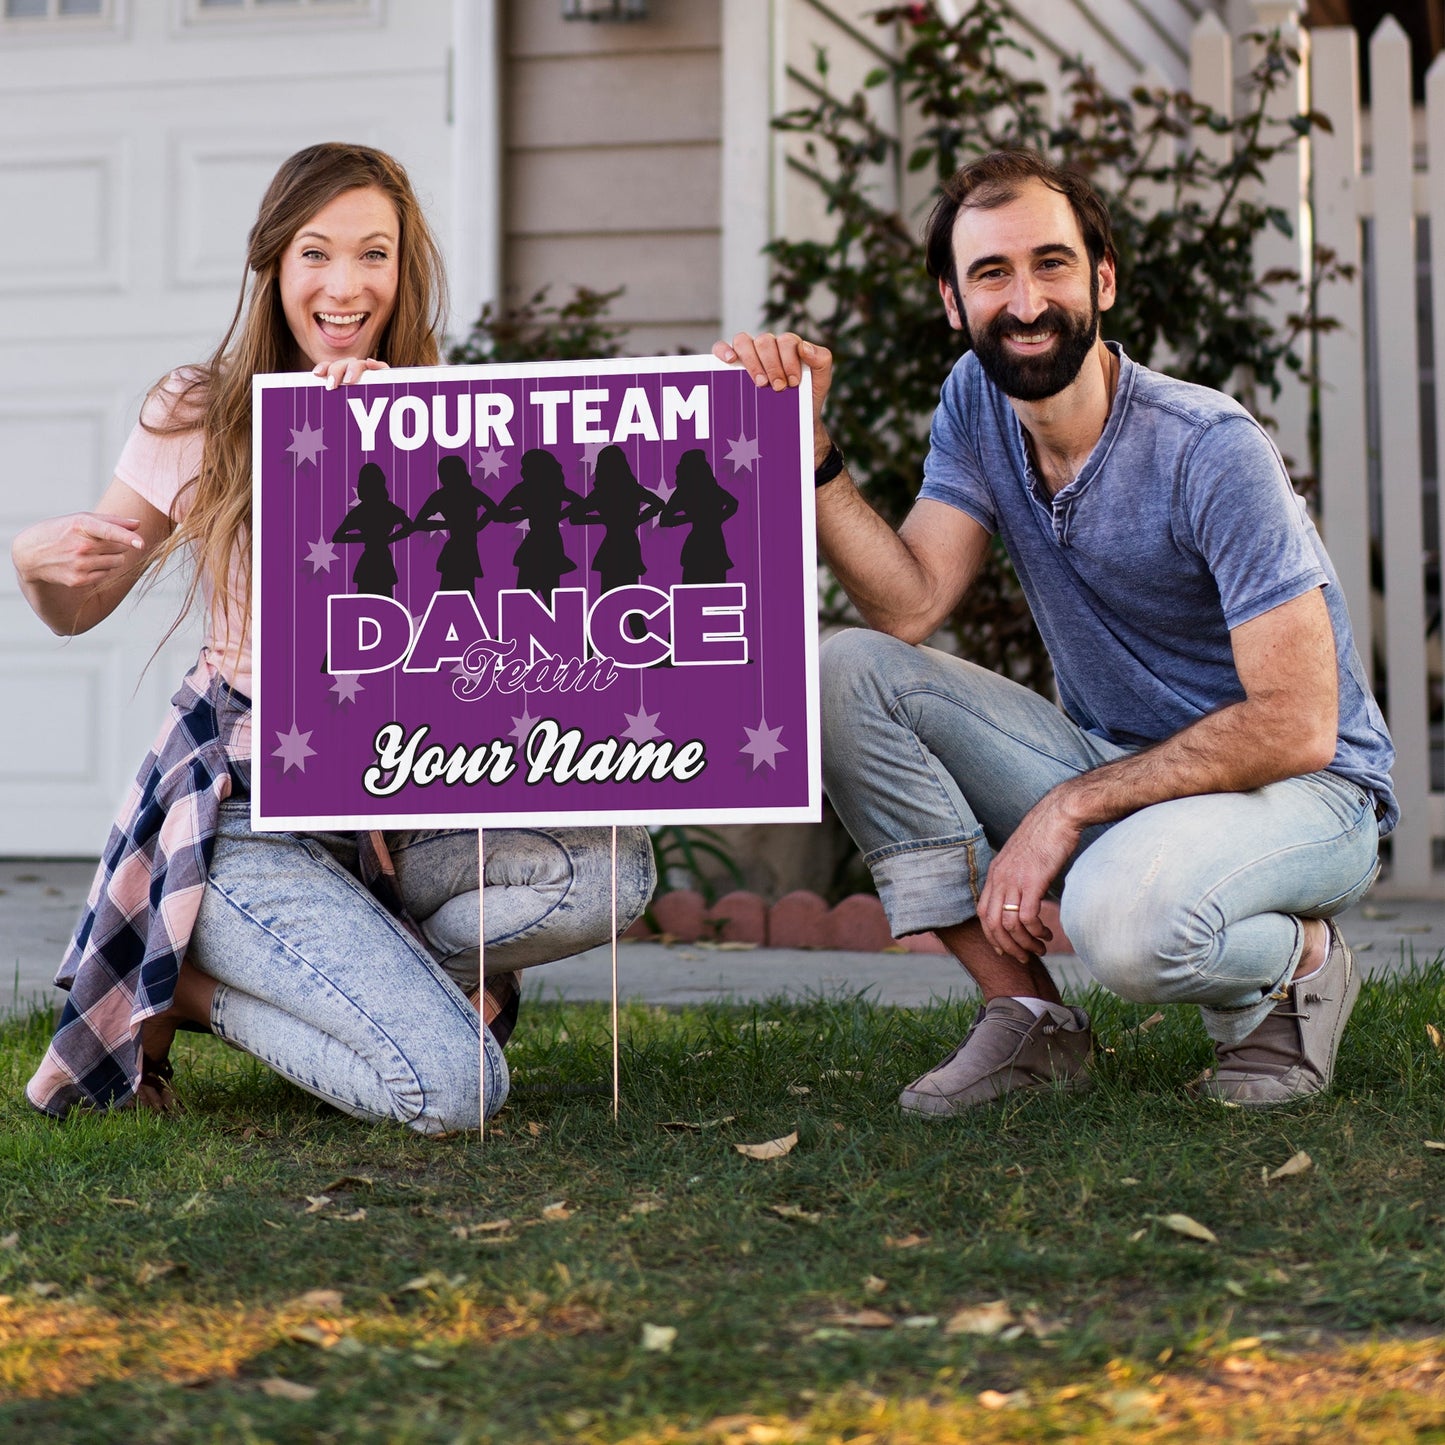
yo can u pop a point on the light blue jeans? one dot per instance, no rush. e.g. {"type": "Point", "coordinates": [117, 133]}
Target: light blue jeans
{"type": "Point", "coordinates": [931, 762]}
{"type": "Point", "coordinates": [319, 981]}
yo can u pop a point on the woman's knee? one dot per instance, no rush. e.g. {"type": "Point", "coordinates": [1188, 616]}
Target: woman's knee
{"type": "Point", "coordinates": [449, 1096]}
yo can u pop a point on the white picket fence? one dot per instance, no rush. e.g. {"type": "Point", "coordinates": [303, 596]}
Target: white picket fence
{"type": "Point", "coordinates": [1362, 190]}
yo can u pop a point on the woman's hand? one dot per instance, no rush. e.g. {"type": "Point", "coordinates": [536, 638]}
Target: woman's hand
{"type": "Point", "coordinates": [347, 371]}
{"type": "Point", "coordinates": [84, 549]}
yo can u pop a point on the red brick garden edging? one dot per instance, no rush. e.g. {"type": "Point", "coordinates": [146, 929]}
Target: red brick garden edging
{"type": "Point", "coordinates": [797, 920]}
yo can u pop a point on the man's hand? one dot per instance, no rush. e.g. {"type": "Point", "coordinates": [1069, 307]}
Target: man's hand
{"type": "Point", "coordinates": [1020, 874]}
{"type": "Point", "coordinates": [778, 361]}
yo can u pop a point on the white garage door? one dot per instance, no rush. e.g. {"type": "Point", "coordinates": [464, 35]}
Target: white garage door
{"type": "Point", "coordinates": [135, 139]}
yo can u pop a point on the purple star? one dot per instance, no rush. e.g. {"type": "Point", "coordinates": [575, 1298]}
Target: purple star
{"type": "Point", "coordinates": [522, 726]}
{"type": "Point", "coordinates": [664, 489]}
{"type": "Point", "coordinates": [306, 444]}
{"type": "Point", "coordinates": [490, 463]}
{"type": "Point", "coordinates": [589, 454]}
{"type": "Point", "coordinates": [294, 749]}
{"type": "Point", "coordinates": [743, 452]}
{"type": "Point", "coordinates": [321, 555]}
{"type": "Point", "coordinates": [762, 745]}
{"type": "Point", "coordinates": [346, 686]}
{"type": "Point", "coordinates": [641, 725]}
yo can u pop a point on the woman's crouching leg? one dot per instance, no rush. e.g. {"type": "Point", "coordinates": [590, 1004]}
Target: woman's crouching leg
{"type": "Point", "coordinates": [548, 893]}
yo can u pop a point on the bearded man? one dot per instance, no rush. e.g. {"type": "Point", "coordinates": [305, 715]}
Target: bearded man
{"type": "Point", "coordinates": [1211, 789]}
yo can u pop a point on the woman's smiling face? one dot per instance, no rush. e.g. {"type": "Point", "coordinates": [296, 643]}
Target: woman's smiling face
{"type": "Point", "coordinates": [338, 277]}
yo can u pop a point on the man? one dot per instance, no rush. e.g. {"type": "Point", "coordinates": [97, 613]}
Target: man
{"type": "Point", "coordinates": [1216, 783]}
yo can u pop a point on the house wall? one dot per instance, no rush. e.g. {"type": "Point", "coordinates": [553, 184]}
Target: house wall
{"type": "Point", "coordinates": [612, 170]}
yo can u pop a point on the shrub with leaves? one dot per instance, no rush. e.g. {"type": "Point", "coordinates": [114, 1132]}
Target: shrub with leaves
{"type": "Point", "coordinates": [1185, 225]}
{"type": "Point", "coordinates": [539, 330]}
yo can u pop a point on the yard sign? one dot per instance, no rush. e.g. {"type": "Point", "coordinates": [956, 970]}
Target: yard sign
{"type": "Point", "coordinates": [568, 592]}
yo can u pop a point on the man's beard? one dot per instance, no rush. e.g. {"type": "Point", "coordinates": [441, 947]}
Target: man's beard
{"type": "Point", "coordinates": [1033, 378]}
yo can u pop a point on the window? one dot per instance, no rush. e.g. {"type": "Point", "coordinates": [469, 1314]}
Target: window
{"type": "Point", "coordinates": [40, 11]}
{"type": "Point", "coordinates": [202, 12]}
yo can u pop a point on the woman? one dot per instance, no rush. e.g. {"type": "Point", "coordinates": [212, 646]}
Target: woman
{"type": "Point", "coordinates": [461, 511]}
{"type": "Point", "coordinates": [376, 522]}
{"type": "Point", "coordinates": [341, 960]}
{"type": "Point", "coordinates": [541, 499]}
{"type": "Point", "coordinates": [622, 504]}
{"type": "Point", "coordinates": [698, 502]}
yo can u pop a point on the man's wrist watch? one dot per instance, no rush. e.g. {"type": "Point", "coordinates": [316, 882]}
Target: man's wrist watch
{"type": "Point", "coordinates": [830, 467]}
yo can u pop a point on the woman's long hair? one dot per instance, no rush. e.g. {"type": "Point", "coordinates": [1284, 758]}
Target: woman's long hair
{"type": "Point", "coordinates": [216, 396]}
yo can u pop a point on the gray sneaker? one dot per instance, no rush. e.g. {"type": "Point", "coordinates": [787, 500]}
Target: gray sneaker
{"type": "Point", "coordinates": [1291, 1055]}
{"type": "Point", "coordinates": [1007, 1049]}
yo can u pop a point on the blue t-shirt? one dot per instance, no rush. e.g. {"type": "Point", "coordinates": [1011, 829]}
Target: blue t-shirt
{"type": "Point", "coordinates": [1181, 525]}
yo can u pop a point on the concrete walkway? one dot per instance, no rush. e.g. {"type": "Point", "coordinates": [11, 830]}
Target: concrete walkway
{"type": "Point", "coordinates": [40, 901]}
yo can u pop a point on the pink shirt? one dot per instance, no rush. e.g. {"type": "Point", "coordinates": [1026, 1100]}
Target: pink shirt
{"type": "Point", "coordinates": [156, 467]}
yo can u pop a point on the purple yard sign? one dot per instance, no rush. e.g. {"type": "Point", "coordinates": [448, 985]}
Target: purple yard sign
{"type": "Point", "coordinates": [570, 592]}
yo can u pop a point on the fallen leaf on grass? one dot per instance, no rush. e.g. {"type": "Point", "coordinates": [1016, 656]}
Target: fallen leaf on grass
{"type": "Point", "coordinates": [10, 1240]}
{"type": "Point", "coordinates": [918, 1322]}
{"type": "Point", "coordinates": [280, 1389]}
{"type": "Point", "coordinates": [863, 1320]}
{"type": "Point", "coordinates": [1434, 1144]}
{"type": "Point", "coordinates": [1297, 1163]}
{"type": "Point", "coordinates": [153, 1270]}
{"type": "Point", "coordinates": [428, 1362]}
{"type": "Point", "coordinates": [769, 1149]}
{"type": "Point", "coordinates": [121, 1199]}
{"type": "Point", "coordinates": [491, 1227]}
{"type": "Point", "coordinates": [321, 1299]}
{"type": "Point", "coordinates": [873, 1285]}
{"type": "Point", "coordinates": [793, 1211]}
{"type": "Point", "coordinates": [312, 1335]}
{"type": "Point", "coordinates": [355, 1217]}
{"type": "Point", "coordinates": [798, 1090]}
{"type": "Point", "coordinates": [659, 1338]}
{"type": "Point", "coordinates": [993, 1400]}
{"type": "Point", "coordinates": [1039, 1327]}
{"type": "Point", "coordinates": [984, 1319]}
{"type": "Point", "coordinates": [1437, 1039]}
{"type": "Point", "coordinates": [348, 1181]}
{"type": "Point", "coordinates": [432, 1279]}
{"type": "Point", "coordinates": [1153, 1021]}
{"type": "Point", "coordinates": [534, 1128]}
{"type": "Point", "coordinates": [687, 1126]}
{"type": "Point", "coordinates": [44, 1288]}
{"type": "Point", "coordinates": [558, 1212]}
{"type": "Point", "coordinates": [905, 1241]}
{"type": "Point", "coordinates": [315, 1203]}
{"type": "Point", "coordinates": [646, 1206]}
{"type": "Point", "coordinates": [1183, 1224]}
{"type": "Point", "coordinates": [841, 1074]}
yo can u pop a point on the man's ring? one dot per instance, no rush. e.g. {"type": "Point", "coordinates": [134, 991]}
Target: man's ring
{"type": "Point", "coordinates": [1010, 908]}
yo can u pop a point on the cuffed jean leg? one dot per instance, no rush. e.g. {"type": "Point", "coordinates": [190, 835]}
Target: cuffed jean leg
{"type": "Point", "coordinates": [319, 981]}
{"type": "Point", "coordinates": [931, 762]}
{"type": "Point", "coordinates": [548, 892]}
{"type": "Point", "coordinates": [1199, 899]}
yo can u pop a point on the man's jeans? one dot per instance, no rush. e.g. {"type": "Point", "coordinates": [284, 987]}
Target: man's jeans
{"type": "Point", "coordinates": [931, 763]}
{"type": "Point", "coordinates": [320, 982]}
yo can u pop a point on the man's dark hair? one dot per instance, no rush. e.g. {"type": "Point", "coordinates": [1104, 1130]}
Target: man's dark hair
{"type": "Point", "coordinates": [995, 180]}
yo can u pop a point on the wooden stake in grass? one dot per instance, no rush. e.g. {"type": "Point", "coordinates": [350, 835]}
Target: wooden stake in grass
{"type": "Point", "coordinates": [481, 981]}
{"type": "Point", "coordinates": [616, 1056]}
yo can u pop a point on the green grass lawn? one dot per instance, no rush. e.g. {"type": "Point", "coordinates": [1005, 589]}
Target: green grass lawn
{"type": "Point", "coordinates": [264, 1269]}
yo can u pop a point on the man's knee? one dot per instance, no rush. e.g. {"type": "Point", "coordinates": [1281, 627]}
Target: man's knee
{"type": "Point", "coordinates": [850, 663]}
{"type": "Point", "coordinates": [1135, 934]}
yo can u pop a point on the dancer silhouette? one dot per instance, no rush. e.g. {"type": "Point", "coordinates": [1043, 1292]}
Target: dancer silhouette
{"type": "Point", "coordinates": [541, 499]}
{"type": "Point", "coordinates": [461, 510]}
{"type": "Point", "coordinates": [622, 504]}
{"type": "Point", "coordinates": [377, 522]}
{"type": "Point", "coordinates": [701, 503]}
